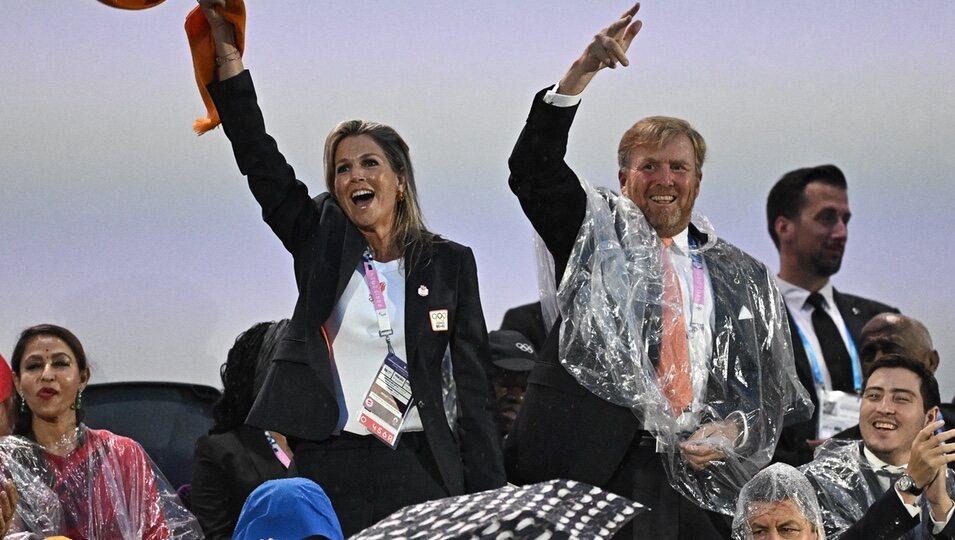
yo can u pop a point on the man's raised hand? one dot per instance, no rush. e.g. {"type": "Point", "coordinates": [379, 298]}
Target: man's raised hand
{"type": "Point", "coordinates": [607, 49]}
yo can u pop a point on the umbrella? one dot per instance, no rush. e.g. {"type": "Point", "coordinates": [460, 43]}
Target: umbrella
{"type": "Point", "coordinates": [554, 510]}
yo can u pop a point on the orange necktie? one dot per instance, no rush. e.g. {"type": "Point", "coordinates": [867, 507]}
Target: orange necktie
{"type": "Point", "coordinates": [673, 369]}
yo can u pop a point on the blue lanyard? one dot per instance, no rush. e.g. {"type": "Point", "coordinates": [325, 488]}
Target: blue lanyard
{"type": "Point", "coordinates": [698, 299]}
{"type": "Point", "coordinates": [815, 365]}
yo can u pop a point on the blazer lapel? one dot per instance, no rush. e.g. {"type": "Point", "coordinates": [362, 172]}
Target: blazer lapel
{"type": "Point", "coordinates": [260, 454]}
{"type": "Point", "coordinates": [418, 285]}
{"type": "Point", "coordinates": [353, 246]}
{"type": "Point", "coordinates": [850, 314]}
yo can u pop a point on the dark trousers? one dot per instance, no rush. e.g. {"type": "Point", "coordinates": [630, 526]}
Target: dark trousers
{"type": "Point", "coordinates": [671, 516]}
{"type": "Point", "coordinates": [365, 479]}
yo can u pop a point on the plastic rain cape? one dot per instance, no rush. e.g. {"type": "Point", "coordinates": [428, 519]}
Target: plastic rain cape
{"type": "Point", "coordinates": [777, 484]}
{"type": "Point", "coordinates": [611, 300]}
{"type": "Point", "coordinates": [847, 485]}
{"type": "Point", "coordinates": [107, 487]}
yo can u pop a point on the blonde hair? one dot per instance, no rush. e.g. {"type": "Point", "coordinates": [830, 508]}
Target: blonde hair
{"type": "Point", "coordinates": [657, 131]}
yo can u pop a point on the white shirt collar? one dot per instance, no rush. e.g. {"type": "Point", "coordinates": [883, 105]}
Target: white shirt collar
{"type": "Point", "coordinates": [682, 241]}
{"type": "Point", "coordinates": [877, 463]}
{"type": "Point", "coordinates": [797, 296]}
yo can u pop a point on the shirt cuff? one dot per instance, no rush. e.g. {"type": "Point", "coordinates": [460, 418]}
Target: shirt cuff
{"type": "Point", "coordinates": [743, 436]}
{"type": "Point", "coordinates": [939, 526]}
{"type": "Point", "coordinates": [913, 509]}
{"type": "Point", "coordinates": [551, 97]}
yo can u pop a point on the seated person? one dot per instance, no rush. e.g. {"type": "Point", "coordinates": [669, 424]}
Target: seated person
{"type": "Point", "coordinates": [894, 333]}
{"type": "Point", "coordinates": [895, 483]}
{"type": "Point", "coordinates": [72, 480]}
{"type": "Point", "coordinates": [235, 458]}
{"type": "Point", "coordinates": [778, 503]}
{"type": "Point", "coordinates": [513, 355]}
{"type": "Point", "coordinates": [288, 508]}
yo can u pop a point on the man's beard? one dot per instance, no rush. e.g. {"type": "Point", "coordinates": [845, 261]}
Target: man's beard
{"type": "Point", "coordinates": [667, 223]}
{"type": "Point", "coordinates": [825, 266]}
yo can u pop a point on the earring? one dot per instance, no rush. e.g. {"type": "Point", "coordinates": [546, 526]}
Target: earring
{"type": "Point", "coordinates": [401, 196]}
{"type": "Point", "coordinates": [23, 405]}
{"type": "Point", "coordinates": [79, 400]}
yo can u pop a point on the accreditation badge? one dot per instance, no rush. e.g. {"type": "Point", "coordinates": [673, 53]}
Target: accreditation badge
{"type": "Point", "coordinates": [388, 401]}
{"type": "Point", "coordinates": [838, 411]}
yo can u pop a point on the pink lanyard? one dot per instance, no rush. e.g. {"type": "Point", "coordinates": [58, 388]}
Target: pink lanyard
{"type": "Point", "coordinates": [377, 299]}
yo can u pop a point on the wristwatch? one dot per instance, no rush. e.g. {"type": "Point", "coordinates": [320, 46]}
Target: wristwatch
{"type": "Point", "coordinates": [907, 485]}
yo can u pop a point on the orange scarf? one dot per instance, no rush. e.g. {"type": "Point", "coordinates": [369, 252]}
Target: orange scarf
{"type": "Point", "coordinates": [202, 46]}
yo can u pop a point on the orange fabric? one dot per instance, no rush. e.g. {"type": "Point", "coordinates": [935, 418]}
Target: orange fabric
{"type": "Point", "coordinates": [204, 54]}
{"type": "Point", "coordinates": [673, 369]}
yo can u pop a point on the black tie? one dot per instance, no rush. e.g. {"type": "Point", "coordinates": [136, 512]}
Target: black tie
{"type": "Point", "coordinates": [833, 348]}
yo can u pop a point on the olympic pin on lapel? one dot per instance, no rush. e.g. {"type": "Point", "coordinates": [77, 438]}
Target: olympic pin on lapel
{"type": "Point", "coordinates": [439, 320]}
{"type": "Point", "coordinates": [422, 291]}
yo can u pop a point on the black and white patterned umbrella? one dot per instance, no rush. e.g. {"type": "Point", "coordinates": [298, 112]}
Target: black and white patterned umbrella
{"type": "Point", "coordinates": [554, 510]}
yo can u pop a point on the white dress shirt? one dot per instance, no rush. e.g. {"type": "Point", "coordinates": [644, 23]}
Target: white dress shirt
{"type": "Point", "coordinates": [914, 510]}
{"type": "Point", "coordinates": [801, 312]}
{"type": "Point", "coordinates": [357, 351]}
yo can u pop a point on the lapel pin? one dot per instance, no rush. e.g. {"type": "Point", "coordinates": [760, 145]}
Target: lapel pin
{"type": "Point", "coordinates": [855, 311]}
{"type": "Point", "coordinates": [422, 291]}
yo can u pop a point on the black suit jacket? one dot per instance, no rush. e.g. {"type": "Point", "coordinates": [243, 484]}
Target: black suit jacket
{"type": "Point", "coordinates": [226, 467]}
{"type": "Point", "coordinates": [856, 311]}
{"type": "Point", "coordinates": [563, 430]}
{"type": "Point", "coordinates": [885, 519]}
{"type": "Point", "coordinates": [298, 396]}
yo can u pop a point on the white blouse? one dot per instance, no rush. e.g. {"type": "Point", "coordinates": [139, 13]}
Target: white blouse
{"type": "Point", "coordinates": [357, 351]}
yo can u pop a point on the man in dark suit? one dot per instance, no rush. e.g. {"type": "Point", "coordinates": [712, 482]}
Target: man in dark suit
{"type": "Point", "coordinates": [675, 411]}
{"type": "Point", "coordinates": [808, 216]}
{"type": "Point", "coordinates": [895, 483]}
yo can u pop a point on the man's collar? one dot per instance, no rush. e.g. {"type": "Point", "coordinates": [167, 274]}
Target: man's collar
{"type": "Point", "coordinates": [797, 296]}
{"type": "Point", "coordinates": [682, 241]}
{"type": "Point", "coordinates": [877, 463]}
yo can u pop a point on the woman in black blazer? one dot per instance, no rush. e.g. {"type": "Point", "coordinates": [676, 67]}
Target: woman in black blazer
{"type": "Point", "coordinates": [234, 459]}
{"type": "Point", "coordinates": [315, 390]}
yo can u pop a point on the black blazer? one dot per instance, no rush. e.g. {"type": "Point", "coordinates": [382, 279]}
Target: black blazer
{"type": "Point", "coordinates": [226, 467]}
{"type": "Point", "coordinates": [886, 519]}
{"type": "Point", "coordinates": [563, 430]}
{"type": "Point", "coordinates": [298, 397]}
{"type": "Point", "coordinates": [856, 311]}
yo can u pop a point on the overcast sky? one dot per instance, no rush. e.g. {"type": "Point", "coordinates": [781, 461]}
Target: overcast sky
{"type": "Point", "coordinates": [118, 222]}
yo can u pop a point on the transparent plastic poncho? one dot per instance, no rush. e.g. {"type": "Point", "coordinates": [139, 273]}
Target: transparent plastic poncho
{"type": "Point", "coordinates": [847, 485]}
{"type": "Point", "coordinates": [106, 487]}
{"type": "Point", "coordinates": [778, 484]}
{"type": "Point", "coordinates": [611, 300]}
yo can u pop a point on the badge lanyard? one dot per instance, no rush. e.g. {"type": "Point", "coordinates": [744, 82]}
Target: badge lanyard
{"type": "Point", "coordinates": [699, 284]}
{"type": "Point", "coordinates": [814, 363]}
{"type": "Point", "coordinates": [388, 401]}
{"type": "Point", "coordinates": [377, 299]}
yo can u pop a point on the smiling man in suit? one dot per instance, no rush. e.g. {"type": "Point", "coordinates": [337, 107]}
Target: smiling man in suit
{"type": "Point", "coordinates": [895, 483]}
{"type": "Point", "coordinates": [668, 371]}
{"type": "Point", "coordinates": [808, 216]}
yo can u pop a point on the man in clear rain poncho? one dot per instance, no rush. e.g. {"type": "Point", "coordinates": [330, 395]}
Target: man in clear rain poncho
{"type": "Point", "coordinates": [668, 371]}
{"type": "Point", "coordinates": [895, 483]}
{"type": "Point", "coordinates": [778, 503]}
